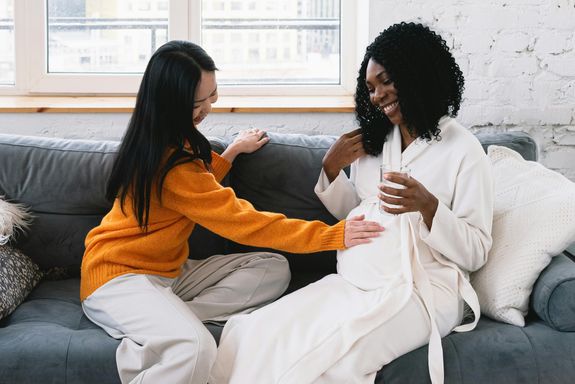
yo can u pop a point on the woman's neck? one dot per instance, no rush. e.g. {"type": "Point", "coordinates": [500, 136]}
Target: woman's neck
{"type": "Point", "coordinates": [406, 137]}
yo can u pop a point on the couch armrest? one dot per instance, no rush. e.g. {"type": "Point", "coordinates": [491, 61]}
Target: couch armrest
{"type": "Point", "coordinates": [553, 296]}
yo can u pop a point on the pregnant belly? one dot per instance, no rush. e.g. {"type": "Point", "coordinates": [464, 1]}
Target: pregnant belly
{"type": "Point", "coordinates": [373, 265]}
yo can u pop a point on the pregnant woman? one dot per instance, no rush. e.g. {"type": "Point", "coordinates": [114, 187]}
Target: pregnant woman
{"type": "Point", "coordinates": [406, 288]}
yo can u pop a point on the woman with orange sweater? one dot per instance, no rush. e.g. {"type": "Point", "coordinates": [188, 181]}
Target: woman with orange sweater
{"type": "Point", "coordinates": [137, 281]}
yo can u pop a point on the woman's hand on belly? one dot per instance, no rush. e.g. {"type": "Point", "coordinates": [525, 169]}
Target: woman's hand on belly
{"type": "Point", "coordinates": [359, 231]}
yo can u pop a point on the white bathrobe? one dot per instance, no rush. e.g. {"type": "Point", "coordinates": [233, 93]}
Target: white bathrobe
{"type": "Point", "coordinates": [397, 293]}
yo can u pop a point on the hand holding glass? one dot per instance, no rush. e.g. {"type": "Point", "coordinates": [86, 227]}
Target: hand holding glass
{"type": "Point", "coordinates": [383, 169]}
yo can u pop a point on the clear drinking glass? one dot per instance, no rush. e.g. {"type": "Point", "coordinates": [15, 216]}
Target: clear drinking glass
{"type": "Point", "coordinates": [386, 168]}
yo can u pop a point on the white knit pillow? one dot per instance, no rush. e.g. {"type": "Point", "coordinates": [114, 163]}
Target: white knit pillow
{"type": "Point", "coordinates": [533, 220]}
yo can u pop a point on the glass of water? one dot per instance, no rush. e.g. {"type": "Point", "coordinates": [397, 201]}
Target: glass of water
{"type": "Point", "coordinates": [386, 168]}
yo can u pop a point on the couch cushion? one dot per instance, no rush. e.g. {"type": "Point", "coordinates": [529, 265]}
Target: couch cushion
{"type": "Point", "coordinates": [61, 176]}
{"type": "Point", "coordinates": [553, 297]}
{"type": "Point", "coordinates": [520, 142]}
{"type": "Point", "coordinates": [64, 185]}
{"type": "Point", "coordinates": [48, 339]}
{"type": "Point", "coordinates": [494, 353]}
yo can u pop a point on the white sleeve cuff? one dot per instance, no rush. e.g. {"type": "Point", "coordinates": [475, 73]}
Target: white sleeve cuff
{"type": "Point", "coordinates": [339, 196]}
{"type": "Point", "coordinates": [324, 187]}
{"type": "Point", "coordinates": [434, 237]}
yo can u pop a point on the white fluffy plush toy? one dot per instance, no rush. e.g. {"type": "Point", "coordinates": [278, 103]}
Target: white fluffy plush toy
{"type": "Point", "coordinates": [13, 218]}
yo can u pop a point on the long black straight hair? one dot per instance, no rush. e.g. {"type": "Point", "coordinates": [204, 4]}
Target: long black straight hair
{"type": "Point", "coordinates": [162, 121]}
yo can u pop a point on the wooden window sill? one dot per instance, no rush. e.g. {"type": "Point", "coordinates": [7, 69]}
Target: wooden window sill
{"type": "Point", "coordinates": [225, 104]}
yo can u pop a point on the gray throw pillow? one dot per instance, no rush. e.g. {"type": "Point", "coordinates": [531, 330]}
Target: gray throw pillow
{"type": "Point", "coordinates": [18, 276]}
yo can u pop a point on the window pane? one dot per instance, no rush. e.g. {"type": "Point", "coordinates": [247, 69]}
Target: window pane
{"type": "Point", "coordinates": [273, 41]}
{"type": "Point", "coordinates": [7, 76]}
{"type": "Point", "coordinates": [111, 36]}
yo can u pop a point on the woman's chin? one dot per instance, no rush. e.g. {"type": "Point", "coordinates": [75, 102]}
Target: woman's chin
{"type": "Point", "coordinates": [395, 118]}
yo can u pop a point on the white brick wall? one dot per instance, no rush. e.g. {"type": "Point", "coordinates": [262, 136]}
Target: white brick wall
{"type": "Point", "coordinates": [518, 57]}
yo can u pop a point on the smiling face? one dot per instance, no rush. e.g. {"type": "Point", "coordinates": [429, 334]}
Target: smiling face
{"type": "Point", "coordinates": [206, 95]}
{"type": "Point", "coordinates": [382, 92]}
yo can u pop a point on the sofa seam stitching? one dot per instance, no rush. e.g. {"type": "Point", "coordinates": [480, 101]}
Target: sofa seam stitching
{"type": "Point", "coordinates": [105, 152]}
{"type": "Point", "coordinates": [67, 355]}
{"type": "Point", "coordinates": [534, 354]}
{"type": "Point", "coordinates": [296, 145]}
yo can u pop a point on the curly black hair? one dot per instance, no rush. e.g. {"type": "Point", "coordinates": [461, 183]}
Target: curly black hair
{"type": "Point", "coordinates": [428, 81]}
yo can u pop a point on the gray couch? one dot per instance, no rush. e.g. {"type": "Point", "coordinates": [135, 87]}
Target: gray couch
{"type": "Point", "coordinates": [48, 339]}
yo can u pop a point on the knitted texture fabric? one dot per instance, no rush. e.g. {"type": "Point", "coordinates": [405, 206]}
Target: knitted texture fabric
{"type": "Point", "coordinates": [18, 273]}
{"type": "Point", "coordinates": [533, 220]}
{"type": "Point", "coordinates": [18, 276]}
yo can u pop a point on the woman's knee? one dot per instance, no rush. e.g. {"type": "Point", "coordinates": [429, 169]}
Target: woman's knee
{"type": "Point", "coordinates": [199, 350]}
{"type": "Point", "coordinates": [186, 357]}
{"type": "Point", "coordinates": [278, 273]}
{"type": "Point", "coordinates": [195, 344]}
{"type": "Point", "coordinates": [449, 311]}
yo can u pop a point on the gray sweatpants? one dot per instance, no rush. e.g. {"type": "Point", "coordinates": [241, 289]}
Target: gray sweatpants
{"type": "Point", "coordinates": [159, 320]}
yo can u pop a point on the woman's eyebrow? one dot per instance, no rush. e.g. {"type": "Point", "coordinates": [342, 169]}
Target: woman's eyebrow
{"type": "Point", "coordinates": [211, 94]}
{"type": "Point", "coordinates": [381, 73]}
{"type": "Point", "coordinates": [378, 76]}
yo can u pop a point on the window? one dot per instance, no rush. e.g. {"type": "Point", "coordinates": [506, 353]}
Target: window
{"type": "Point", "coordinates": [218, 6]}
{"type": "Point", "coordinates": [97, 31]}
{"type": "Point", "coordinates": [272, 54]}
{"type": "Point", "coordinates": [102, 47]}
{"type": "Point", "coordinates": [144, 5]}
{"type": "Point", "coordinates": [163, 5]}
{"type": "Point", "coordinates": [7, 74]}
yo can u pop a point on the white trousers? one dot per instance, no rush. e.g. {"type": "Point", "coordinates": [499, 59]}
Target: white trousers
{"type": "Point", "coordinates": [159, 320]}
{"type": "Point", "coordinates": [267, 345]}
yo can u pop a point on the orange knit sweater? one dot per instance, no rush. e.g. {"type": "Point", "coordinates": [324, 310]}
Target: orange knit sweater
{"type": "Point", "coordinates": [191, 195]}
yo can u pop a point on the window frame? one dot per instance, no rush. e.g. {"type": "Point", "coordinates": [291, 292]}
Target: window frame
{"type": "Point", "coordinates": [31, 77]}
